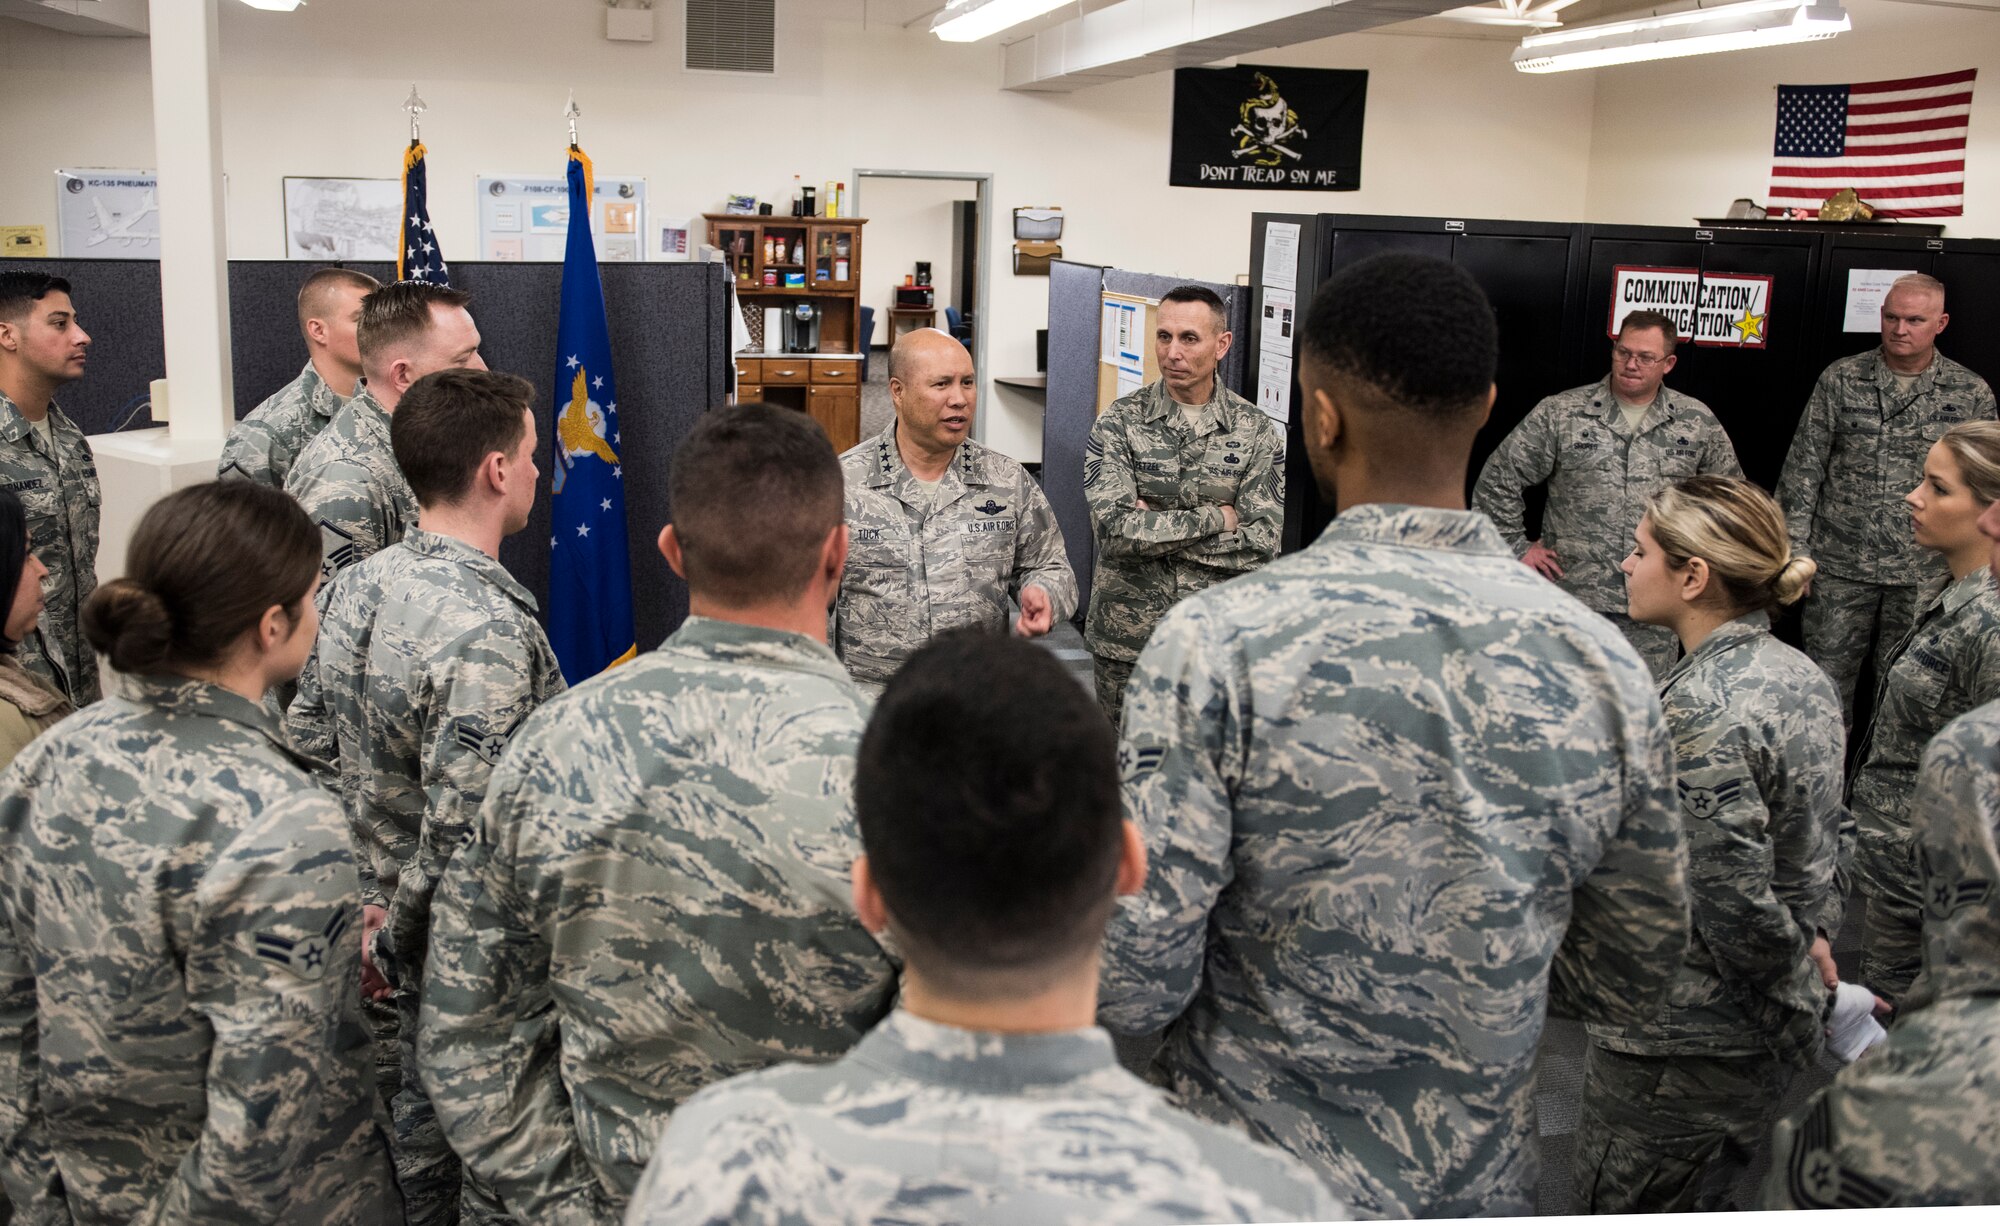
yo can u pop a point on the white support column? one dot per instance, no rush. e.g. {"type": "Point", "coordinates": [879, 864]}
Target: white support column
{"type": "Point", "coordinates": [194, 256]}
{"type": "Point", "coordinates": [138, 466]}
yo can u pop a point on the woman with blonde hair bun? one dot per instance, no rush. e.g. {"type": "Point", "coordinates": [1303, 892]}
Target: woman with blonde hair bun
{"type": "Point", "coordinates": [1946, 665]}
{"type": "Point", "coordinates": [1673, 1107]}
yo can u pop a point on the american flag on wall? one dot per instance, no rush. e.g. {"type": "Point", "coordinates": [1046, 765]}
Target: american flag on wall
{"type": "Point", "coordinates": [1899, 144]}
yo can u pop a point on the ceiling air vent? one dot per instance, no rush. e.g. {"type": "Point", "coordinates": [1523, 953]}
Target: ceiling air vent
{"type": "Point", "coordinates": [731, 35]}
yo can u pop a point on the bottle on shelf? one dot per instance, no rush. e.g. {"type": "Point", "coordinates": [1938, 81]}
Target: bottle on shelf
{"type": "Point", "coordinates": [798, 200]}
{"type": "Point", "coordinates": [799, 251]}
{"type": "Point", "coordinates": [832, 198]}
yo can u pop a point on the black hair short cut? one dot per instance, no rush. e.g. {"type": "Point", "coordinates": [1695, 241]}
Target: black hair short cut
{"type": "Point", "coordinates": [449, 422]}
{"type": "Point", "coordinates": [20, 290]}
{"type": "Point", "coordinates": [753, 493]}
{"type": "Point", "coordinates": [1204, 295]}
{"type": "Point", "coordinates": [987, 794]}
{"type": "Point", "coordinates": [1405, 331]}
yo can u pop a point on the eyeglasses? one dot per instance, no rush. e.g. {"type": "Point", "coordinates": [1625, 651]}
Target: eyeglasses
{"type": "Point", "coordinates": [1620, 353]}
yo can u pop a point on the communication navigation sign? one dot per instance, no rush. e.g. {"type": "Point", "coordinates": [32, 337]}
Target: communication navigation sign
{"type": "Point", "coordinates": [1729, 310]}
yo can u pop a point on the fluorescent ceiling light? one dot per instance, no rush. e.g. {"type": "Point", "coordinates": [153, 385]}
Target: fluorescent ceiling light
{"type": "Point", "coordinates": [275, 6]}
{"type": "Point", "coordinates": [1694, 31]}
{"type": "Point", "coordinates": [968, 21]}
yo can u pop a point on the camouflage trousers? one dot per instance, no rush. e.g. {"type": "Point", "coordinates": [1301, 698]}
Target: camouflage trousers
{"type": "Point", "coordinates": [1845, 622]}
{"type": "Point", "coordinates": [1111, 676]}
{"type": "Point", "coordinates": [431, 1178]}
{"type": "Point", "coordinates": [1658, 646]}
{"type": "Point", "coordinates": [1669, 1134]}
{"type": "Point", "coordinates": [1893, 937]}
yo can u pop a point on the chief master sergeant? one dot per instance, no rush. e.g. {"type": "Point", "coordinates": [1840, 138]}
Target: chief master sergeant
{"type": "Point", "coordinates": [1859, 448]}
{"type": "Point", "coordinates": [941, 529]}
{"type": "Point", "coordinates": [1604, 449]}
{"type": "Point", "coordinates": [1186, 485]}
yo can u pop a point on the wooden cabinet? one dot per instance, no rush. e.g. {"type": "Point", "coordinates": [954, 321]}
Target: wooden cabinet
{"type": "Point", "coordinates": [826, 388]}
{"type": "Point", "coordinates": [838, 411]}
{"type": "Point", "coordinates": [821, 254]}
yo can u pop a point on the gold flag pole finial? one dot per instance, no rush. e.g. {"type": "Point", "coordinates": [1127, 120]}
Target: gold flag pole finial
{"type": "Point", "coordinates": [415, 106]}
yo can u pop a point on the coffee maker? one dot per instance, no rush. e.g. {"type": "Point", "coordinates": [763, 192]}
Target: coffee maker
{"type": "Point", "coordinates": [802, 320]}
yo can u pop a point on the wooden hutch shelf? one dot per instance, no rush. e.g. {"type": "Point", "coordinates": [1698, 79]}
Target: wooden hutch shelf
{"type": "Point", "coordinates": [825, 383]}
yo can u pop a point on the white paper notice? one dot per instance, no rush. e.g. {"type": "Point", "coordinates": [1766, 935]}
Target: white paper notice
{"type": "Point", "coordinates": [1281, 254]}
{"type": "Point", "coordinates": [1274, 332]}
{"type": "Point", "coordinates": [1107, 333]}
{"type": "Point", "coordinates": [1866, 287]}
{"type": "Point", "coordinates": [1274, 385]}
{"type": "Point", "coordinates": [1130, 380]}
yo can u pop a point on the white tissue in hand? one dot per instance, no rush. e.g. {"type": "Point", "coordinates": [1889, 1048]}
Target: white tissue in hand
{"type": "Point", "coordinates": [1852, 1029]}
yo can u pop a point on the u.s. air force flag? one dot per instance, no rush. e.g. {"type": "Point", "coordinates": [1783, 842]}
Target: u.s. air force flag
{"type": "Point", "coordinates": [590, 573]}
{"type": "Point", "coordinates": [1293, 128]}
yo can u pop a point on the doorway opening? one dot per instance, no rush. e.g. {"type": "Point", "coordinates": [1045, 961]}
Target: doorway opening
{"type": "Point", "coordinates": [926, 231]}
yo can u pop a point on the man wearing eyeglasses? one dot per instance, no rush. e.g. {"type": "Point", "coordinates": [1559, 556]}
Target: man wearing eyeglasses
{"type": "Point", "coordinates": [1604, 449]}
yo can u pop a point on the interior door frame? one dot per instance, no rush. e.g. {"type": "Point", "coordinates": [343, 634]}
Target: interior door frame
{"type": "Point", "coordinates": [982, 319]}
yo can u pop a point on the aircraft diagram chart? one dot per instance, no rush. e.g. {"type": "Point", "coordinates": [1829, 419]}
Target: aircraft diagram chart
{"type": "Point", "coordinates": [342, 219]}
{"type": "Point", "coordinates": [108, 214]}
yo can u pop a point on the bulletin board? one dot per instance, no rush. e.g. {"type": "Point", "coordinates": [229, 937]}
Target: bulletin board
{"type": "Point", "coordinates": [1125, 358]}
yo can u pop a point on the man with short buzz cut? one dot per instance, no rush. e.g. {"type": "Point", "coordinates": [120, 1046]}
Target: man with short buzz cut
{"type": "Point", "coordinates": [987, 794]}
{"type": "Point", "coordinates": [429, 656]}
{"type": "Point", "coordinates": [1186, 485]}
{"type": "Point", "coordinates": [45, 459]}
{"type": "Point", "coordinates": [265, 444]}
{"type": "Point", "coordinates": [1604, 449]}
{"type": "Point", "coordinates": [655, 895]}
{"type": "Point", "coordinates": [347, 478]}
{"type": "Point", "coordinates": [1860, 447]}
{"type": "Point", "coordinates": [1401, 796]}
{"type": "Point", "coordinates": [943, 530]}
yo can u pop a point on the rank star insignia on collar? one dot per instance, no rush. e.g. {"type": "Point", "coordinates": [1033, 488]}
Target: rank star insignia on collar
{"type": "Point", "coordinates": [990, 507]}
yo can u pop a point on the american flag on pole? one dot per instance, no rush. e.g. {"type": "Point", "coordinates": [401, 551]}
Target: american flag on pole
{"type": "Point", "coordinates": [1899, 144]}
{"type": "Point", "coordinates": [420, 258]}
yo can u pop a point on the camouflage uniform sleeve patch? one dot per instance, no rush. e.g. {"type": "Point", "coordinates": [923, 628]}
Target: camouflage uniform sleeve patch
{"type": "Point", "coordinates": [1815, 1178]}
{"type": "Point", "coordinates": [1703, 803]}
{"type": "Point", "coordinates": [305, 958]}
{"type": "Point", "coordinates": [473, 735]}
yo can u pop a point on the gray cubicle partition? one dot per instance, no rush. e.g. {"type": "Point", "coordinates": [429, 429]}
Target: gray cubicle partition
{"type": "Point", "coordinates": [669, 337]}
{"type": "Point", "coordinates": [1076, 296]}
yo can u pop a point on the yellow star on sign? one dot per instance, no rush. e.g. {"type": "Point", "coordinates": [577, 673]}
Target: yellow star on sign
{"type": "Point", "coordinates": [1749, 328]}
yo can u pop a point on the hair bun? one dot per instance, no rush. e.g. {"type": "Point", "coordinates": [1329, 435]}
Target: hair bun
{"type": "Point", "coordinates": [128, 622]}
{"type": "Point", "coordinates": [1790, 582]}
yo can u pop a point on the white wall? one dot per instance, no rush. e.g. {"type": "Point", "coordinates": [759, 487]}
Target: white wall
{"type": "Point", "coordinates": [908, 220]}
{"type": "Point", "coordinates": [1451, 129]}
{"type": "Point", "coordinates": [1680, 139]}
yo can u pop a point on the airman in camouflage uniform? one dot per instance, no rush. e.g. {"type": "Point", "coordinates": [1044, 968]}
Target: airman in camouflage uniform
{"type": "Point", "coordinates": [655, 898]}
{"type": "Point", "coordinates": [1401, 797]}
{"type": "Point", "coordinates": [1914, 1122]}
{"type": "Point", "coordinates": [919, 563]}
{"type": "Point", "coordinates": [268, 442]}
{"type": "Point", "coordinates": [180, 1037]}
{"type": "Point", "coordinates": [1946, 665]}
{"type": "Point", "coordinates": [429, 656]}
{"type": "Point", "coordinates": [878, 1136]}
{"type": "Point", "coordinates": [49, 464]}
{"type": "Point", "coordinates": [1600, 471]}
{"type": "Point", "coordinates": [1157, 480]}
{"type": "Point", "coordinates": [1859, 447]}
{"type": "Point", "coordinates": [348, 481]}
{"type": "Point", "coordinates": [1348, 925]}
{"type": "Point", "coordinates": [1674, 1105]}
